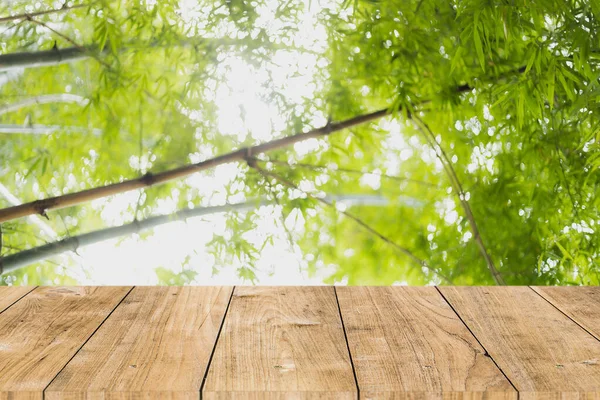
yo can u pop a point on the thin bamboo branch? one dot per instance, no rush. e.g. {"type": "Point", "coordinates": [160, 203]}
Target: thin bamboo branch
{"type": "Point", "coordinates": [45, 129]}
{"type": "Point", "coordinates": [353, 171]}
{"type": "Point", "coordinates": [40, 253]}
{"type": "Point", "coordinates": [253, 163]}
{"type": "Point", "coordinates": [44, 99]}
{"type": "Point", "coordinates": [65, 7]}
{"type": "Point", "coordinates": [457, 186]}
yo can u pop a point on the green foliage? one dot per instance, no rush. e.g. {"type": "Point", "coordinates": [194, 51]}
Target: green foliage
{"type": "Point", "coordinates": [510, 92]}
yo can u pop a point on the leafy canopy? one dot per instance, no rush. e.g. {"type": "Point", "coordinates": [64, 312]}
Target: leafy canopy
{"type": "Point", "coordinates": [492, 149]}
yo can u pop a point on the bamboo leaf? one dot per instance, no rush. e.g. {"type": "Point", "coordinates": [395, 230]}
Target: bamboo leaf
{"type": "Point", "coordinates": [479, 47]}
{"type": "Point", "coordinates": [551, 84]}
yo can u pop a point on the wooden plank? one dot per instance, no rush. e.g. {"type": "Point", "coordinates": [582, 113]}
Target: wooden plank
{"type": "Point", "coordinates": [11, 294]}
{"type": "Point", "coordinates": [41, 332]}
{"type": "Point", "coordinates": [156, 345]}
{"type": "Point", "coordinates": [407, 342]}
{"type": "Point", "coordinates": [541, 351]}
{"type": "Point", "coordinates": [582, 304]}
{"type": "Point", "coordinates": [281, 342]}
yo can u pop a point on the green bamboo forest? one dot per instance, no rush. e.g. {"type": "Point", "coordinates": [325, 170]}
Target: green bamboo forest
{"type": "Point", "coordinates": [356, 142]}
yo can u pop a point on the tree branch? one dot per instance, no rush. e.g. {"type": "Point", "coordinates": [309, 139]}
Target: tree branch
{"type": "Point", "coordinates": [456, 185]}
{"type": "Point", "coordinates": [30, 256]}
{"type": "Point", "coordinates": [252, 162]}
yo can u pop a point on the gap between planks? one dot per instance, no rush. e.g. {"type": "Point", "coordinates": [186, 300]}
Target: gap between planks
{"type": "Point", "coordinates": [541, 291]}
{"type": "Point", "coordinates": [281, 339]}
{"type": "Point", "coordinates": [7, 302]}
{"type": "Point", "coordinates": [542, 351]}
{"type": "Point", "coordinates": [347, 343]}
{"type": "Point", "coordinates": [85, 342]}
{"type": "Point", "coordinates": [156, 344]}
{"type": "Point", "coordinates": [212, 353]}
{"type": "Point", "coordinates": [42, 331]}
{"type": "Point", "coordinates": [487, 353]}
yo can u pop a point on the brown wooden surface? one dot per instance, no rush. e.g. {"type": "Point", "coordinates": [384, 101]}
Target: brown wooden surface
{"type": "Point", "coordinates": [10, 294]}
{"type": "Point", "coordinates": [42, 331]}
{"type": "Point", "coordinates": [581, 304]}
{"type": "Point", "coordinates": [541, 351]}
{"type": "Point", "coordinates": [156, 344]}
{"type": "Point", "coordinates": [281, 342]}
{"type": "Point", "coordinates": [407, 340]}
{"type": "Point", "coordinates": [175, 343]}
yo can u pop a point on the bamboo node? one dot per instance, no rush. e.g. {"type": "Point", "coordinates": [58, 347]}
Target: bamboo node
{"type": "Point", "coordinates": [147, 179]}
{"type": "Point", "coordinates": [328, 128]}
{"type": "Point", "coordinates": [41, 207]}
{"type": "Point", "coordinates": [249, 158]}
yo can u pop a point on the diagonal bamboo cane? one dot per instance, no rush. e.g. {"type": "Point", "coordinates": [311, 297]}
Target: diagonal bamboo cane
{"type": "Point", "coordinates": [72, 199]}
{"type": "Point", "coordinates": [27, 257]}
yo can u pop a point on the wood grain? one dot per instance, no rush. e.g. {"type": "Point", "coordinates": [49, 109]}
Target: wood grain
{"type": "Point", "coordinates": [582, 304]}
{"type": "Point", "coordinates": [41, 332]}
{"type": "Point", "coordinates": [11, 294]}
{"type": "Point", "coordinates": [542, 352]}
{"type": "Point", "coordinates": [406, 342]}
{"type": "Point", "coordinates": [156, 345]}
{"type": "Point", "coordinates": [281, 342]}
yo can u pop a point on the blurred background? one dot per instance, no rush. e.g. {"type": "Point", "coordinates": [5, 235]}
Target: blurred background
{"type": "Point", "coordinates": [482, 167]}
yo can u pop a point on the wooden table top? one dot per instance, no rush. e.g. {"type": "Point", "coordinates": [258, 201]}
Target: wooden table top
{"type": "Point", "coordinates": [170, 343]}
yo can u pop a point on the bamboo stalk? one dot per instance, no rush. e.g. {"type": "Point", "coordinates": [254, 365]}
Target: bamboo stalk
{"type": "Point", "coordinates": [41, 58]}
{"type": "Point", "coordinates": [70, 54]}
{"type": "Point", "coordinates": [34, 219]}
{"type": "Point", "coordinates": [72, 199]}
{"type": "Point", "coordinates": [40, 253]}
